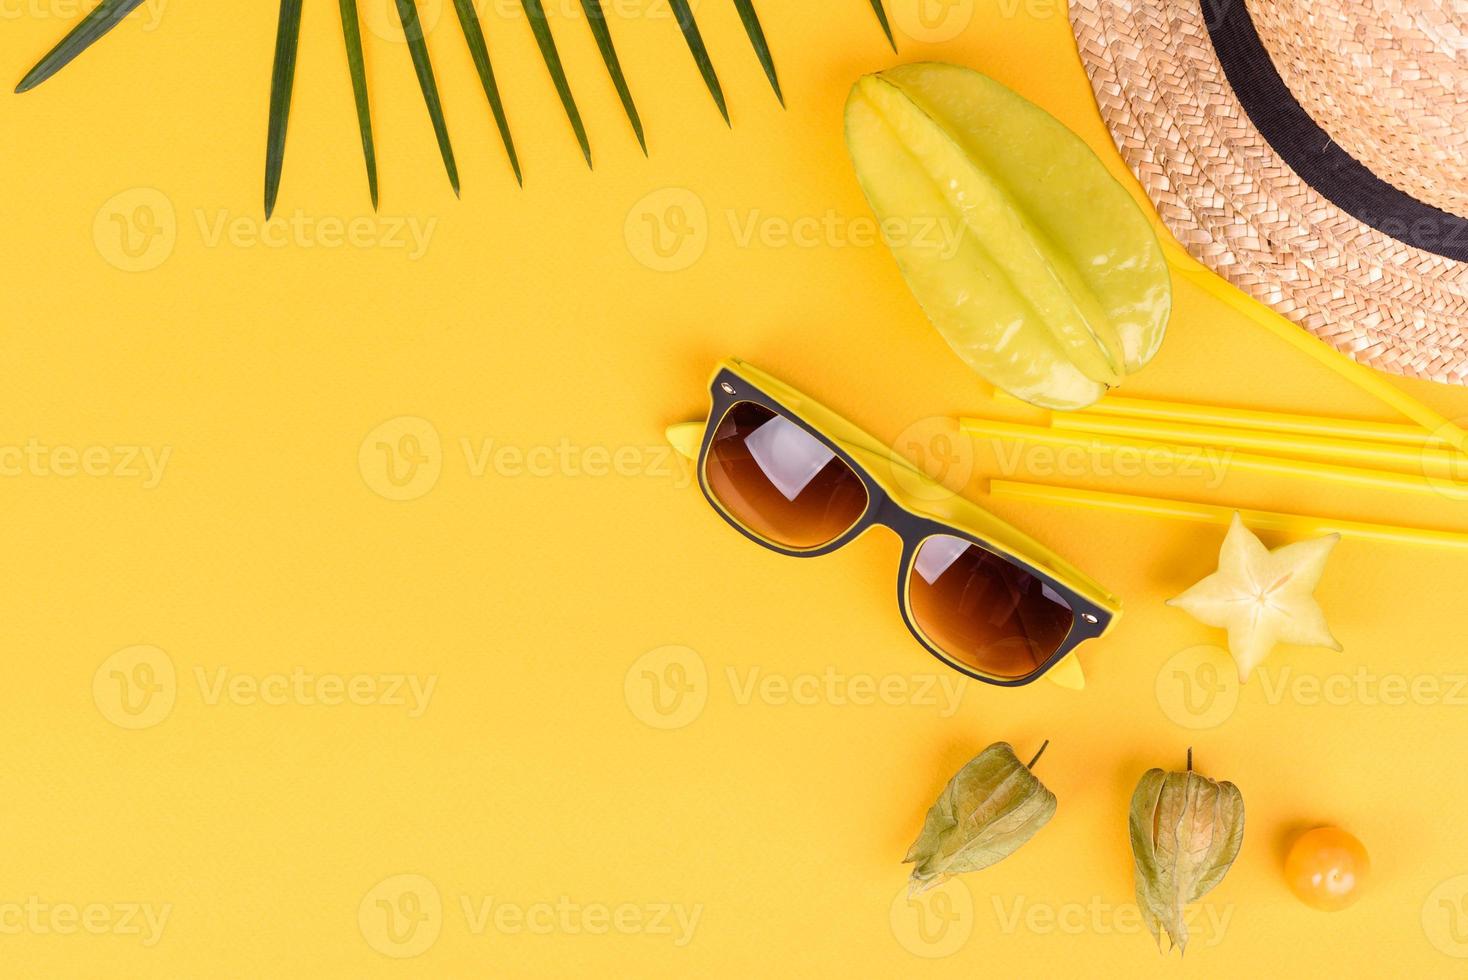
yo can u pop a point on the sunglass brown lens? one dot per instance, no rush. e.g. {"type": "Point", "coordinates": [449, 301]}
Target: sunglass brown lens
{"type": "Point", "coordinates": [780, 481]}
{"type": "Point", "coordinates": [984, 611]}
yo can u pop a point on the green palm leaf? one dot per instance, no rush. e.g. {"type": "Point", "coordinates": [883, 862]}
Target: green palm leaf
{"type": "Point", "coordinates": [418, 50]}
{"type": "Point", "coordinates": [352, 33]}
{"type": "Point", "coordinates": [547, 42]}
{"type": "Point", "coordinates": [282, 82]}
{"type": "Point", "coordinates": [108, 13]}
{"type": "Point", "coordinates": [597, 18]}
{"type": "Point", "coordinates": [761, 46]}
{"type": "Point", "coordinates": [691, 34]}
{"type": "Point", "coordinates": [101, 19]}
{"type": "Point", "coordinates": [886, 27]}
{"type": "Point", "coordinates": [474, 35]}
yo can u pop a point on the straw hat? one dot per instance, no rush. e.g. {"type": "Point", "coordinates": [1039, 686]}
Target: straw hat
{"type": "Point", "coordinates": [1312, 152]}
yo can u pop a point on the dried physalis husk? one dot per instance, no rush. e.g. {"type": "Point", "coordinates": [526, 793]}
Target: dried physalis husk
{"type": "Point", "coordinates": [1186, 831]}
{"type": "Point", "coordinates": [988, 809]}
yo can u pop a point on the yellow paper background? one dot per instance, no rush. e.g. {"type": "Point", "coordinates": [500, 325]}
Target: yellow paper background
{"type": "Point", "coordinates": [542, 322]}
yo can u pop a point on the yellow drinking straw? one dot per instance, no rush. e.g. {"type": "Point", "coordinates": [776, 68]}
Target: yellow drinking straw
{"type": "Point", "coordinates": [1264, 520]}
{"type": "Point", "coordinates": [1375, 479]}
{"type": "Point", "coordinates": [1362, 377]}
{"type": "Point", "coordinates": [1439, 462]}
{"type": "Point", "coordinates": [1249, 418]}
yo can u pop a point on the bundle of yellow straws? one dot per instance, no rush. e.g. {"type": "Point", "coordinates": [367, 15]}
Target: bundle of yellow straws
{"type": "Point", "coordinates": [1425, 457]}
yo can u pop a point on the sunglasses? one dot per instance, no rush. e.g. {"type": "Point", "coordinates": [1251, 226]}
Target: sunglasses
{"type": "Point", "coordinates": [980, 595]}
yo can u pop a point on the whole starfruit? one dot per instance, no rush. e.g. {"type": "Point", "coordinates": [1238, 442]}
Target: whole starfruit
{"type": "Point", "coordinates": [1186, 830]}
{"type": "Point", "coordinates": [1036, 265]}
{"type": "Point", "coordinates": [988, 810]}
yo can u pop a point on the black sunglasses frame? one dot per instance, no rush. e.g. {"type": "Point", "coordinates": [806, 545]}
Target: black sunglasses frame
{"type": "Point", "coordinates": [1087, 622]}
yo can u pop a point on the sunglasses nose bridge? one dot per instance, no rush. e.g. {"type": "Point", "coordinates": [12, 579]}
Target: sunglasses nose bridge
{"type": "Point", "coordinates": [894, 519]}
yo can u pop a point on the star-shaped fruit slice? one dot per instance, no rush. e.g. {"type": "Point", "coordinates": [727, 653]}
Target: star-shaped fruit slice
{"type": "Point", "coordinates": [1263, 597]}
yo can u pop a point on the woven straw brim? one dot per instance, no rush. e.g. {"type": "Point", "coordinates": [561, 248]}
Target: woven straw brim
{"type": "Point", "coordinates": [1388, 79]}
{"type": "Point", "coordinates": [1236, 206]}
